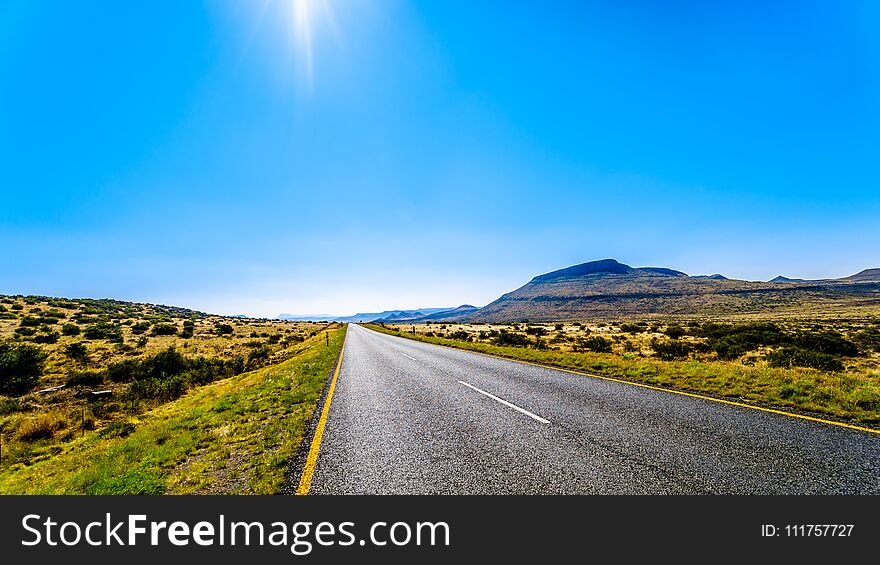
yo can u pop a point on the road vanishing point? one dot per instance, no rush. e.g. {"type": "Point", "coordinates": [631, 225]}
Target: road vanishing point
{"type": "Point", "coordinates": [414, 418]}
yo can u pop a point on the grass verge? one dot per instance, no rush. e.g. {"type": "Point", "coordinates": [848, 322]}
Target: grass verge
{"type": "Point", "coordinates": [233, 436]}
{"type": "Point", "coordinates": [808, 390]}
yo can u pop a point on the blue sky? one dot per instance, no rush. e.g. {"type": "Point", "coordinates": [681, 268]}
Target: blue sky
{"type": "Point", "coordinates": [332, 156]}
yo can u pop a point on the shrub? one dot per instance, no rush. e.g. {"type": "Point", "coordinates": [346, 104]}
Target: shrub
{"type": "Point", "coordinates": [77, 352]}
{"type": "Point", "coordinates": [49, 337]}
{"type": "Point", "coordinates": [558, 327]}
{"type": "Point", "coordinates": [223, 329]}
{"type": "Point", "coordinates": [162, 390]}
{"type": "Point", "coordinates": [17, 306]}
{"type": "Point", "coordinates": [29, 322]}
{"type": "Point", "coordinates": [831, 343]}
{"type": "Point", "coordinates": [258, 357]}
{"type": "Point", "coordinates": [670, 350]}
{"type": "Point", "coordinates": [140, 327]}
{"type": "Point", "coordinates": [70, 329]}
{"type": "Point", "coordinates": [512, 339]}
{"type": "Point", "coordinates": [460, 335]}
{"type": "Point", "coordinates": [631, 328]}
{"type": "Point", "coordinates": [238, 365]}
{"type": "Point", "coordinates": [189, 328]}
{"type": "Point", "coordinates": [732, 341]}
{"type": "Point", "coordinates": [675, 331]}
{"type": "Point", "coordinates": [26, 332]}
{"type": "Point", "coordinates": [20, 368]}
{"type": "Point", "coordinates": [536, 331]}
{"type": "Point", "coordinates": [41, 426]}
{"type": "Point", "coordinates": [85, 378]}
{"type": "Point", "coordinates": [595, 343]}
{"type": "Point", "coordinates": [868, 339]}
{"type": "Point", "coordinates": [9, 405]}
{"type": "Point", "coordinates": [797, 357]}
{"type": "Point", "coordinates": [122, 372]}
{"type": "Point", "coordinates": [164, 329]}
{"type": "Point", "coordinates": [103, 330]}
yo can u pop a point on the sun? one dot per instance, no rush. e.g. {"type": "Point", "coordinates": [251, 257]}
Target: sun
{"type": "Point", "coordinates": [303, 19]}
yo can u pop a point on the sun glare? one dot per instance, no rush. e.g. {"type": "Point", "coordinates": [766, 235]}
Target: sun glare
{"type": "Point", "coordinates": [303, 17]}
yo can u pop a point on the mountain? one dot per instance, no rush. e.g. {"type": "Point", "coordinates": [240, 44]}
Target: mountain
{"type": "Point", "coordinates": [442, 315]}
{"type": "Point", "coordinates": [396, 315]}
{"type": "Point", "coordinates": [781, 279]}
{"type": "Point", "coordinates": [303, 317]}
{"type": "Point", "coordinates": [610, 289]}
{"type": "Point", "coordinates": [866, 275]}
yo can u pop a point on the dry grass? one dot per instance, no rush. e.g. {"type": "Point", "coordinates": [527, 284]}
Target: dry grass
{"type": "Point", "coordinates": [231, 436]}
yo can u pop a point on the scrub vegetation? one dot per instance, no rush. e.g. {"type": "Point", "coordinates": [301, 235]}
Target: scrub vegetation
{"type": "Point", "coordinates": [71, 368]}
{"type": "Point", "coordinates": [234, 435]}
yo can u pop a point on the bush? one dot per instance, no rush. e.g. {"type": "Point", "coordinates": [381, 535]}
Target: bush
{"type": "Point", "coordinates": [26, 332]}
{"type": "Point", "coordinates": [164, 329]}
{"type": "Point", "coordinates": [558, 327]}
{"type": "Point", "coordinates": [29, 322]}
{"type": "Point", "coordinates": [70, 329]}
{"type": "Point", "coordinates": [868, 339]}
{"type": "Point", "coordinates": [20, 368]}
{"type": "Point", "coordinates": [104, 330]}
{"type": "Point", "coordinates": [85, 378]}
{"type": "Point", "coordinates": [512, 339]}
{"type": "Point", "coordinates": [41, 426]}
{"type": "Point", "coordinates": [9, 405]}
{"type": "Point", "coordinates": [50, 337]}
{"type": "Point", "coordinates": [733, 341]}
{"type": "Point", "coordinates": [632, 328]}
{"type": "Point", "coordinates": [831, 343]}
{"type": "Point", "coordinates": [461, 335]}
{"type": "Point", "coordinates": [536, 331]}
{"type": "Point", "coordinates": [167, 374]}
{"type": "Point", "coordinates": [162, 390]}
{"type": "Point", "coordinates": [797, 357]}
{"type": "Point", "coordinates": [675, 331]}
{"type": "Point", "coordinates": [258, 357]}
{"type": "Point", "coordinates": [223, 329]}
{"type": "Point", "coordinates": [140, 327]}
{"type": "Point", "coordinates": [189, 328]}
{"type": "Point", "coordinates": [123, 372]}
{"type": "Point", "coordinates": [670, 350]}
{"type": "Point", "coordinates": [77, 352]}
{"type": "Point", "coordinates": [595, 343]}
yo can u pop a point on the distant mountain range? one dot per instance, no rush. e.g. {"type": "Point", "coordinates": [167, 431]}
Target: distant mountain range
{"type": "Point", "coordinates": [610, 289]}
{"type": "Point", "coordinates": [387, 315]}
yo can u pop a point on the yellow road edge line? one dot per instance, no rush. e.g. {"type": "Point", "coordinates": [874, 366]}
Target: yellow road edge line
{"type": "Point", "coordinates": [305, 481]}
{"type": "Point", "coordinates": [659, 388]}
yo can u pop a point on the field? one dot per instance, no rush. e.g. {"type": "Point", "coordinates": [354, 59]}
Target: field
{"type": "Point", "coordinates": [234, 436]}
{"type": "Point", "coordinates": [827, 365]}
{"type": "Point", "coordinates": [74, 368]}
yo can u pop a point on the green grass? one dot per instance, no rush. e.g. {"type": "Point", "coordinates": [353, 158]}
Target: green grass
{"type": "Point", "coordinates": [830, 394]}
{"type": "Point", "coordinates": [231, 436]}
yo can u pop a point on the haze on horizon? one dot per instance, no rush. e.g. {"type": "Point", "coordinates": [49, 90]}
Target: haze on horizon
{"type": "Point", "coordinates": [320, 156]}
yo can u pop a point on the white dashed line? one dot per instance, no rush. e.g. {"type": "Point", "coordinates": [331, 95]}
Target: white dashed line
{"type": "Point", "coordinates": [506, 403]}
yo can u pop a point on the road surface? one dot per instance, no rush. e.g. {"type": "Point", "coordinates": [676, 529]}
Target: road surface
{"type": "Point", "coordinates": [414, 418]}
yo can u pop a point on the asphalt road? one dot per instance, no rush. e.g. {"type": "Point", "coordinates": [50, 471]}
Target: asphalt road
{"type": "Point", "coordinates": [412, 418]}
